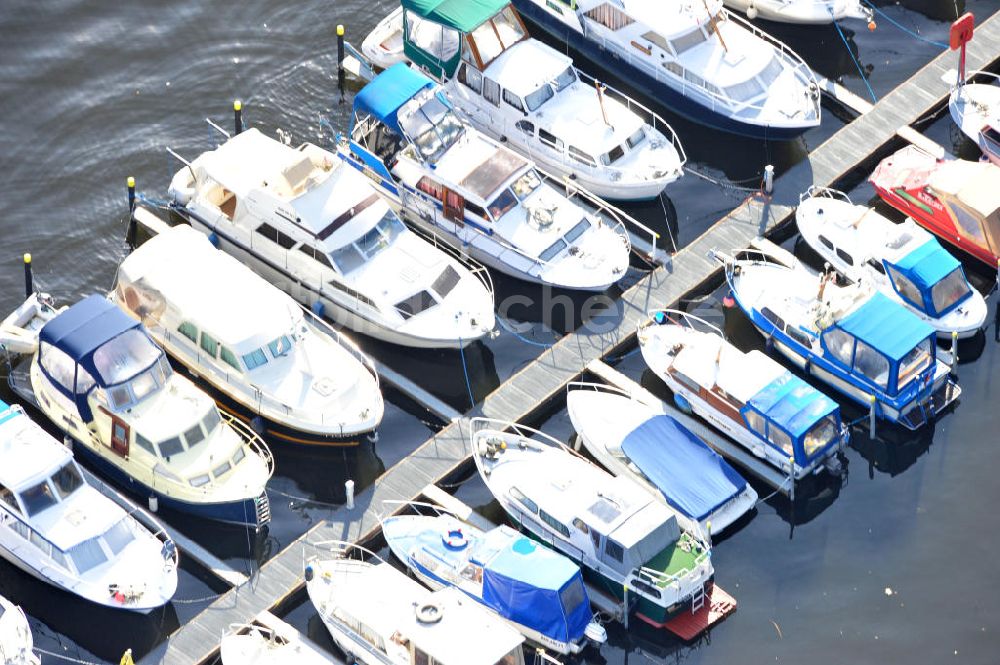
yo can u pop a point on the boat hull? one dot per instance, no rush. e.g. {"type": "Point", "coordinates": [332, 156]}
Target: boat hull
{"type": "Point", "coordinates": [665, 95]}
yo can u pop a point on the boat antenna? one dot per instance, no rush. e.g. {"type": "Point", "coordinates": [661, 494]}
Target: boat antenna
{"type": "Point", "coordinates": [185, 162]}
{"type": "Point", "coordinates": [715, 26]}
{"type": "Point", "coordinates": [600, 100]}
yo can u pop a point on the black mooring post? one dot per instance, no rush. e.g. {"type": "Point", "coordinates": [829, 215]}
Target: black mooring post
{"type": "Point", "coordinates": [237, 116]}
{"type": "Point", "coordinates": [29, 287]}
{"type": "Point", "coordinates": [341, 77]}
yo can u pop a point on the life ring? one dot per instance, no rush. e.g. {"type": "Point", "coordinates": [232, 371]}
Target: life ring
{"type": "Point", "coordinates": [454, 539]}
{"type": "Point", "coordinates": [428, 613]}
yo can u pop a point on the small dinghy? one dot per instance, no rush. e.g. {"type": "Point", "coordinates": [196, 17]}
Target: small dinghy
{"type": "Point", "coordinates": [256, 645]}
{"type": "Point", "coordinates": [902, 261]}
{"type": "Point", "coordinates": [59, 529]}
{"type": "Point", "coordinates": [749, 397]}
{"type": "Point", "coordinates": [538, 590]}
{"type": "Point", "coordinates": [16, 643]}
{"type": "Point", "coordinates": [529, 95]}
{"type": "Point", "coordinates": [955, 199]}
{"type": "Point", "coordinates": [98, 375]}
{"type": "Point", "coordinates": [627, 537]}
{"type": "Point", "coordinates": [860, 342]}
{"type": "Point", "coordinates": [306, 222]}
{"type": "Point", "coordinates": [379, 616]}
{"type": "Point", "coordinates": [975, 108]}
{"type": "Point", "coordinates": [288, 373]}
{"type": "Point", "coordinates": [633, 439]}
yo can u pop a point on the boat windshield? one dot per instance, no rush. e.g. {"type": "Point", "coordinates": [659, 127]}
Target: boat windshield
{"type": "Point", "coordinates": [353, 255]}
{"type": "Point", "coordinates": [572, 596]}
{"type": "Point", "coordinates": [67, 480]}
{"type": "Point", "coordinates": [914, 361]}
{"type": "Point", "coordinates": [125, 356]}
{"type": "Point", "coordinates": [951, 290]}
{"type": "Point", "coordinates": [549, 89]}
{"type": "Point", "coordinates": [502, 204]}
{"type": "Point", "coordinates": [526, 184]}
{"type": "Point", "coordinates": [820, 436]}
{"type": "Point", "coordinates": [130, 392]}
{"type": "Point", "coordinates": [38, 497]}
{"type": "Point", "coordinates": [433, 128]}
{"type": "Point", "coordinates": [501, 32]}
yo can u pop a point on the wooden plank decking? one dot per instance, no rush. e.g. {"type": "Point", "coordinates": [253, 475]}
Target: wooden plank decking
{"type": "Point", "coordinates": [545, 378]}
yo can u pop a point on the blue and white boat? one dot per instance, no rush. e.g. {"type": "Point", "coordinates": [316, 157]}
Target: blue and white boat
{"type": "Point", "coordinates": [694, 57]}
{"type": "Point", "coordinates": [641, 442]}
{"type": "Point", "coordinates": [750, 397]}
{"type": "Point", "coordinates": [538, 590]}
{"type": "Point", "coordinates": [97, 374]}
{"type": "Point", "coordinates": [861, 343]}
{"type": "Point", "coordinates": [486, 200]}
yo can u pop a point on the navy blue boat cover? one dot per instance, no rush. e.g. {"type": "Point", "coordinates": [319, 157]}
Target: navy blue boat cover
{"type": "Point", "coordinates": [85, 326]}
{"type": "Point", "coordinates": [691, 476]}
{"type": "Point", "coordinates": [536, 587]}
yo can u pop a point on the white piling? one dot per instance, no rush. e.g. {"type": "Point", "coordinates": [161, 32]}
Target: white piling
{"type": "Point", "coordinates": [954, 353]}
{"type": "Point", "coordinates": [768, 179]}
{"type": "Point", "coordinates": [154, 504]}
{"type": "Point", "coordinates": [871, 416]}
{"type": "Point", "coordinates": [349, 490]}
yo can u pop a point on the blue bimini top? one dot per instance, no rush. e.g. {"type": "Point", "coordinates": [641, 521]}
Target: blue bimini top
{"type": "Point", "coordinates": [388, 92]}
{"type": "Point", "coordinates": [534, 586]}
{"type": "Point", "coordinates": [690, 475]}
{"type": "Point", "coordinates": [887, 326]}
{"type": "Point", "coordinates": [793, 404]}
{"type": "Point", "coordinates": [927, 265]}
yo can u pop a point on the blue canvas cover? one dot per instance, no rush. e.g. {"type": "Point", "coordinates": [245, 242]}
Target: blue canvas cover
{"type": "Point", "coordinates": [795, 407]}
{"type": "Point", "coordinates": [532, 585]}
{"type": "Point", "coordinates": [388, 91]}
{"type": "Point", "coordinates": [887, 326]}
{"type": "Point", "coordinates": [927, 264]}
{"type": "Point", "coordinates": [691, 476]}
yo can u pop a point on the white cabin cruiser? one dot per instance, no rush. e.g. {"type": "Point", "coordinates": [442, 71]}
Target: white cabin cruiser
{"type": "Point", "coordinates": [253, 644]}
{"type": "Point", "coordinates": [902, 261]}
{"type": "Point", "coordinates": [975, 108]}
{"type": "Point", "coordinates": [749, 397]}
{"type": "Point", "coordinates": [305, 222]}
{"type": "Point", "coordinates": [266, 360]}
{"type": "Point", "coordinates": [641, 442]}
{"type": "Point", "coordinates": [614, 527]}
{"type": "Point", "coordinates": [59, 529]}
{"type": "Point", "coordinates": [525, 93]}
{"type": "Point", "coordinates": [482, 197]}
{"type": "Point", "coordinates": [379, 616]}
{"type": "Point", "coordinates": [97, 374]}
{"type": "Point", "coordinates": [16, 642]}
{"type": "Point", "coordinates": [700, 61]}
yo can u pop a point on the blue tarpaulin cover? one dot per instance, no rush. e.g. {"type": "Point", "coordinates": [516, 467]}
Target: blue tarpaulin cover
{"type": "Point", "coordinates": [532, 585]}
{"type": "Point", "coordinates": [928, 264]}
{"type": "Point", "coordinates": [887, 326]}
{"type": "Point", "coordinates": [388, 91]}
{"type": "Point", "coordinates": [84, 327]}
{"type": "Point", "coordinates": [691, 476]}
{"type": "Point", "coordinates": [795, 407]}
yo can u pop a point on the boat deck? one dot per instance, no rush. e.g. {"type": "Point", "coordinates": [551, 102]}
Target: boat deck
{"type": "Point", "coordinates": [831, 164]}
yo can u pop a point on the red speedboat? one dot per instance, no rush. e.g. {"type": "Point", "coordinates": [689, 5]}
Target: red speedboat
{"type": "Point", "coordinates": [955, 199]}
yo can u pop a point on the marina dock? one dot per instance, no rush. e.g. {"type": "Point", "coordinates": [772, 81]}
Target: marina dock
{"type": "Point", "coordinates": [842, 159]}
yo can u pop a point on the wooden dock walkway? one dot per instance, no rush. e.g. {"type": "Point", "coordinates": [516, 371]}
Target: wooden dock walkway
{"type": "Point", "coordinates": [529, 390]}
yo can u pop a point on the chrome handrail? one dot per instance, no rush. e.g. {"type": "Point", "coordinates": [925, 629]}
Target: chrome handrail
{"type": "Point", "coordinates": [827, 192]}
{"type": "Point", "coordinates": [687, 319]}
{"type": "Point", "coordinates": [252, 439]}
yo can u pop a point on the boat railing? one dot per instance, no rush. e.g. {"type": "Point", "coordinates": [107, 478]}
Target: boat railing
{"type": "Point", "coordinates": [439, 511]}
{"type": "Point", "coordinates": [605, 388]}
{"type": "Point", "coordinates": [252, 439]}
{"type": "Point", "coordinates": [340, 550]}
{"type": "Point", "coordinates": [673, 73]}
{"type": "Point", "coordinates": [651, 118]}
{"type": "Point", "coordinates": [678, 317]}
{"type": "Point", "coordinates": [266, 632]}
{"type": "Point", "coordinates": [528, 436]}
{"type": "Point", "coordinates": [660, 579]}
{"type": "Point", "coordinates": [477, 269]}
{"type": "Point", "coordinates": [345, 342]}
{"type": "Point", "coordinates": [827, 192]}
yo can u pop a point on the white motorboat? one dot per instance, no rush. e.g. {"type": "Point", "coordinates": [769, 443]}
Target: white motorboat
{"type": "Point", "coordinates": [858, 341]}
{"type": "Point", "coordinates": [697, 59]}
{"type": "Point", "coordinates": [902, 261]}
{"type": "Point", "coordinates": [482, 197]}
{"type": "Point", "coordinates": [59, 529]}
{"type": "Point", "coordinates": [614, 527]}
{"type": "Point", "coordinates": [16, 643]}
{"type": "Point", "coordinates": [379, 616]}
{"type": "Point", "coordinates": [530, 96]}
{"type": "Point", "coordinates": [809, 12]}
{"type": "Point", "coordinates": [265, 358]}
{"type": "Point", "coordinates": [317, 229]}
{"type": "Point", "coordinates": [253, 644]}
{"type": "Point", "coordinates": [639, 441]}
{"type": "Point", "coordinates": [975, 108]}
{"type": "Point", "coordinates": [749, 397]}
{"type": "Point", "coordinates": [97, 375]}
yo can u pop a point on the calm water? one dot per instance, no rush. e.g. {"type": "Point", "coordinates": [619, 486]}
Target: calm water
{"type": "Point", "coordinates": [93, 92]}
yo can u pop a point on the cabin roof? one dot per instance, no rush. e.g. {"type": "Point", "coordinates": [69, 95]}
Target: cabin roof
{"type": "Point", "coordinates": [463, 15]}
{"type": "Point", "coordinates": [887, 326]}
{"type": "Point", "coordinates": [86, 325]}
{"type": "Point", "coordinates": [526, 65]}
{"type": "Point", "coordinates": [478, 165]}
{"type": "Point", "coordinates": [977, 184]}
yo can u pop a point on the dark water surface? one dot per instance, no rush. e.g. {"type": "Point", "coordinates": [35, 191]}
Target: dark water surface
{"type": "Point", "coordinates": [894, 567]}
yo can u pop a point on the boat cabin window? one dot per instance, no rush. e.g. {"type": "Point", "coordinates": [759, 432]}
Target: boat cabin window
{"type": "Point", "coordinates": [446, 282]}
{"type": "Point", "coordinates": [658, 39]}
{"type": "Point", "coordinates": [755, 421]}
{"type": "Point", "coordinates": [572, 595]}
{"type": "Point", "coordinates": [523, 500]}
{"type": "Point", "coordinates": [513, 100]}
{"type": "Point", "coordinates": [558, 526]}
{"type": "Point", "coordinates": [57, 364]}
{"type": "Point", "coordinates": [820, 435]}
{"type": "Point", "coordinates": [613, 155]}
{"type": "Point", "coordinates": [211, 420]}
{"type": "Point", "coordinates": [581, 156]}
{"type": "Point", "coordinates": [432, 127]}
{"type": "Point", "coordinates": [432, 38]}
{"type": "Point", "coordinates": [779, 438]}
{"type": "Point", "coordinates": [276, 236]}
{"type": "Point", "coordinates": [125, 356]}
{"type": "Point", "coordinates": [315, 254]}
{"type": "Point", "coordinates": [686, 381]}
{"type": "Point", "coordinates": [415, 304]}
{"type": "Point", "coordinates": [799, 336]}
{"type": "Point", "coordinates": [502, 204]}
{"type": "Point", "coordinates": [209, 345]}
{"type": "Point", "coordinates": [877, 265]}
{"type": "Point", "coordinates": [118, 537]}
{"type": "Point", "coordinates": [825, 242]}
{"type": "Point", "coordinates": [37, 498]}
{"type": "Point", "coordinates": [550, 139]}
{"type": "Point", "coordinates": [919, 358]}
{"type": "Point", "coordinates": [636, 138]}
{"type": "Point", "coordinates": [171, 447]}
{"type": "Point", "coordinates": [194, 436]}
{"type": "Point", "coordinates": [526, 184]}
{"type": "Point", "coordinates": [968, 224]}
{"type": "Point", "coordinates": [840, 345]}
{"type": "Point", "coordinates": [87, 555]}
{"type": "Point", "coordinates": [871, 364]}
{"type": "Point", "coordinates": [188, 330]}
{"type": "Point", "coordinates": [845, 257]}
{"type": "Point", "coordinates": [144, 443]}
{"type": "Point", "coordinates": [347, 259]}
{"type": "Point", "coordinates": [280, 346]}
{"type": "Point", "coordinates": [8, 498]}
{"type": "Point", "coordinates": [67, 480]}
{"type": "Point", "coordinates": [906, 289]}
{"type": "Point", "coordinates": [768, 314]}
{"type": "Point", "coordinates": [492, 37]}
{"type": "Point", "coordinates": [229, 358]}
{"type": "Point", "coordinates": [471, 77]}
{"type": "Point", "coordinates": [539, 96]}
{"type": "Point", "coordinates": [526, 127]}
{"type": "Point", "coordinates": [614, 550]}
{"type": "Point", "coordinates": [491, 91]}
{"type": "Point", "coordinates": [580, 525]}
{"type": "Point", "coordinates": [689, 41]}
{"type": "Point", "coordinates": [951, 290]}
{"type": "Point", "coordinates": [254, 359]}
